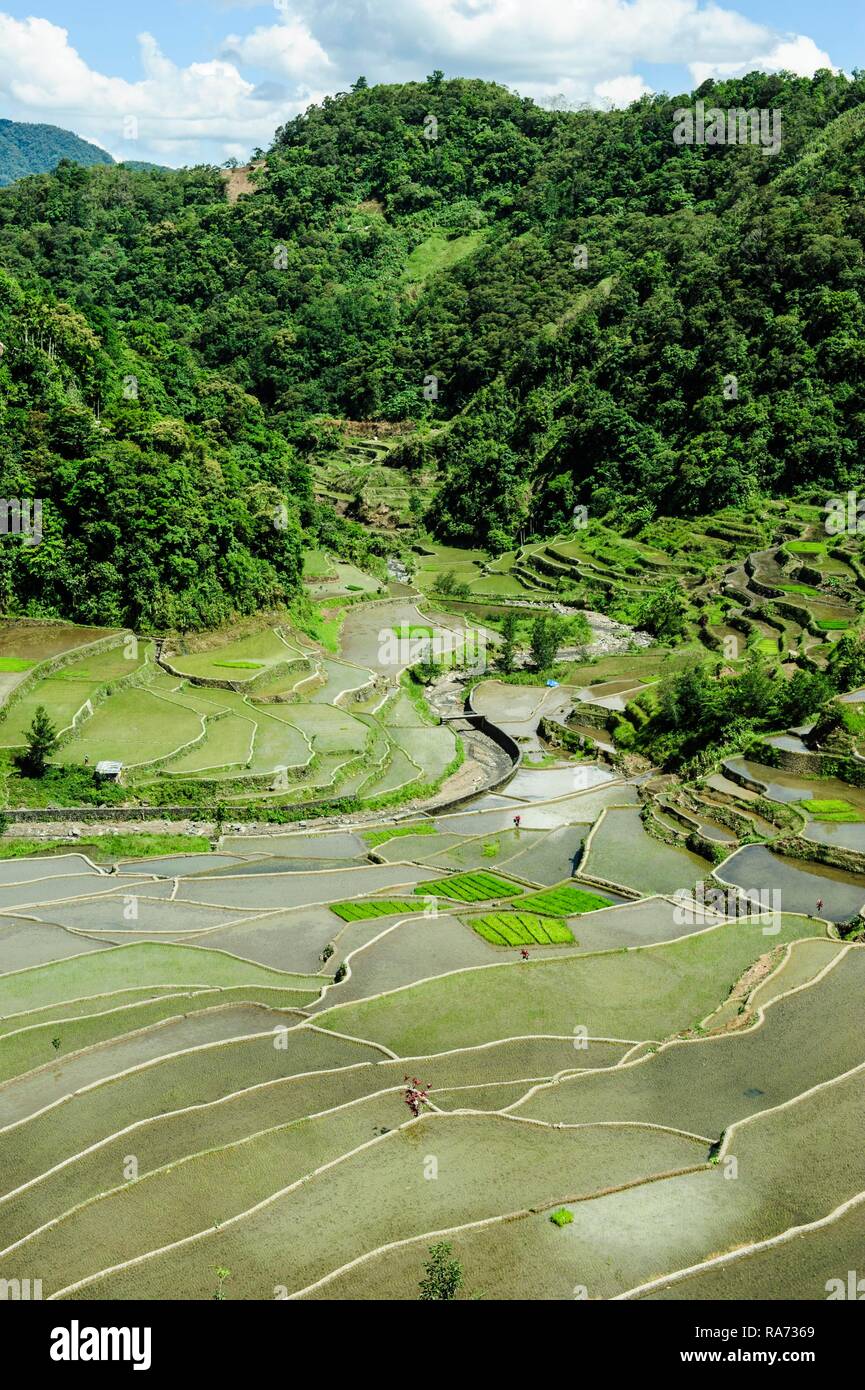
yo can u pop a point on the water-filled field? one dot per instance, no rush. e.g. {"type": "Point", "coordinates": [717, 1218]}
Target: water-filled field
{"type": "Point", "coordinates": [214, 1016]}
{"type": "Point", "coordinates": [801, 885]}
{"type": "Point", "coordinates": [585, 1023]}
{"type": "Point", "coordinates": [259, 715]}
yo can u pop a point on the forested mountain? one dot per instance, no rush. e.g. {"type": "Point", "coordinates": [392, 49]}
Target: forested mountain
{"type": "Point", "coordinates": [27, 148]}
{"type": "Point", "coordinates": [169, 356]}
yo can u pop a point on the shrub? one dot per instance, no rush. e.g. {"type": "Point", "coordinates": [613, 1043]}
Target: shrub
{"type": "Point", "coordinates": [562, 1217]}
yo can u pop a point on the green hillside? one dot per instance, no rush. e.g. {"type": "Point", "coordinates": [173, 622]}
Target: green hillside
{"type": "Point", "coordinates": [27, 148]}
{"type": "Point", "coordinates": [177, 365]}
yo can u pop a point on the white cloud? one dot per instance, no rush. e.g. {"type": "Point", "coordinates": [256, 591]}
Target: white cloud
{"type": "Point", "coordinates": [589, 51]}
{"type": "Point", "coordinates": [204, 111]}
{"type": "Point", "coordinates": [621, 91]}
{"type": "Point", "coordinates": [287, 49]}
{"type": "Point", "coordinates": [795, 53]}
{"type": "Point", "coordinates": [586, 50]}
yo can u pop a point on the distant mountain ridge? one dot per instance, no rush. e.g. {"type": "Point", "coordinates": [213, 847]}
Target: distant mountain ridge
{"type": "Point", "coordinates": [27, 148]}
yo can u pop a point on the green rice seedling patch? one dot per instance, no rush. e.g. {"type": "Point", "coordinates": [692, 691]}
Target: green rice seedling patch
{"type": "Point", "coordinates": [832, 624]}
{"type": "Point", "coordinates": [385, 907]}
{"type": "Point", "coordinates": [521, 929]}
{"type": "Point", "coordinates": [15, 663]}
{"type": "Point", "coordinates": [832, 809]}
{"type": "Point", "coordinates": [379, 837]}
{"type": "Point", "coordinates": [565, 901]}
{"type": "Point", "coordinates": [562, 1217]}
{"type": "Point", "coordinates": [476, 887]}
{"type": "Point", "coordinates": [412, 630]}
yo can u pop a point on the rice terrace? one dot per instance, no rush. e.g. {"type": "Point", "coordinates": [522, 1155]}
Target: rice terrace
{"type": "Point", "coordinates": [432, 715]}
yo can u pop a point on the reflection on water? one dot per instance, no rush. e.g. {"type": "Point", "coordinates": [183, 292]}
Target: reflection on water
{"type": "Point", "coordinates": [790, 741]}
{"type": "Point", "coordinates": [780, 786]}
{"type": "Point", "coordinates": [844, 836]}
{"type": "Point", "coordinates": [757, 869]}
{"type": "Point", "coordinates": [557, 781]}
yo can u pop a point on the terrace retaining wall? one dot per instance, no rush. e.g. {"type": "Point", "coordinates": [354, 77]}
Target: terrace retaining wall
{"type": "Point", "coordinates": [835, 855]}
{"type": "Point", "coordinates": [57, 663]}
{"type": "Point", "coordinates": [254, 813]}
{"type": "Point", "coordinates": [813, 764]}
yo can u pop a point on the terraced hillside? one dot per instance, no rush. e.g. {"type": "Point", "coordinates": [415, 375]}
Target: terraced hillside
{"type": "Point", "coordinates": [779, 582]}
{"type": "Point", "coordinates": [204, 1056]}
{"type": "Point", "coordinates": [268, 717]}
{"type": "Point", "coordinates": [596, 988]}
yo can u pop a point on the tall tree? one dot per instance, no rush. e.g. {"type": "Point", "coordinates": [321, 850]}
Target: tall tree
{"type": "Point", "coordinates": [507, 651]}
{"type": "Point", "coordinates": [41, 743]}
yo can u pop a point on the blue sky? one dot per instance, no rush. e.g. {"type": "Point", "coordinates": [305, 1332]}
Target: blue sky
{"type": "Point", "coordinates": [186, 80]}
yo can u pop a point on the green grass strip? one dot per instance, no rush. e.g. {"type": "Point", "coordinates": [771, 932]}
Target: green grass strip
{"type": "Point", "coordinates": [475, 887]}
{"type": "Point", "coordinates": [832, 810]}
{"type": "Point", "coordinates": [521, 929]}
{"type": "Point", "coordinates": [565, 901]}
{"type": "Point", "coordinates": [379, 837]}
{"type": "Point", "coordinates": [362, 911]}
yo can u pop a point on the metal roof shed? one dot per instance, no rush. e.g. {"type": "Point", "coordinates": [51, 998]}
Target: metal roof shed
{"type": "Point", "coordinates": [109, 769]}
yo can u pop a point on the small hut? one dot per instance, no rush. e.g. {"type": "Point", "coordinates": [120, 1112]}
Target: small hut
{"type": "Point", "coordinates": [108, 770]}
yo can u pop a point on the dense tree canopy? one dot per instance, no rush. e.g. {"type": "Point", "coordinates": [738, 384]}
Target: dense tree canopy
{"type": "Point", "coordinates": [608, 318]}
